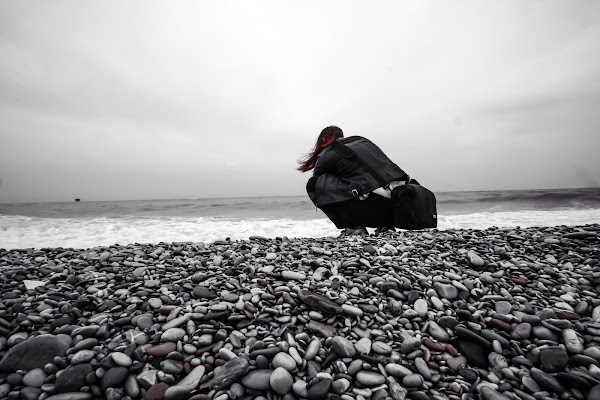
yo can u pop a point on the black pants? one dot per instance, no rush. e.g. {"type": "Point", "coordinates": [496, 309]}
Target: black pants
{"type": "Point", "coordinates": [374, 212]}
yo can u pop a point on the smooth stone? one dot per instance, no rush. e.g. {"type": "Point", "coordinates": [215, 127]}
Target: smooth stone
{"type": "Point", "coordinates": [293, 275]}
{"type": "Point", "coordinates": [172, 367]}
{"type": "Point", "coordinates": [320, 390]}
{"type": "Point", "coordinates": [83, 356]}
{"type": "Point", "coordinates": [281, 380]}
{"type": "Point", "coordinates": [319, 302]}
{"type": "Point", "coordinates": [409, 345]}
{"type": "Point", "coordinates": [34, 378]}
{"type": "Point", "coordinates": [312, 349]}
{"type": "Point", "coordinates": [300, 388]}
{"type": "Point", "coordinates": [72, 379]}
{"type": "Point", "coordinates": [474, 259]}
{"type": "Point", "coordinates": [33, 353]}
{"type": "Point", "coordinates": [352, 310]}
{"type": "Point", "coordinates": [412, 381]}
{"type": "Point", "coordinates": [445, 290]}
{"type": "Point", "coordinates": [121, 359]}
{"type": "Point", "coordinates": [522, 331]}
{"type": "Point", "coordinates": [546, 381]}
{"type": "Point", "coordinates": [487, 393]}
{"type": "Point", "coordinates": [369, 378]}
{"type": "Point", "coordinates": [258, 379]}
{"type": "Point", "coordinates": [381, 348]}
{"type": "Point", "coordinates": [319, 328]}
{"type": "Point", "coordinates": [554, 359]}
{"type": "Point", "coordinates": [175, 322]}
{"type": "Point", "coordinates": [340, 386]}
{"type": "Point", "coordinates": [284, 360]}
{"type": "Point", "coordinates": [172, 335]}
{"type": "Point", "coordinates": [161, 350]}
{"type": "Point", "coordinates": [114, 377]}
{"type": "Point", "coordinates": [397, 370]}
{"type": "Point", "coordinates": [475, 354]}
{"type": "Point", "coordinates": [202, 292]}
{"type": "Point", "coordinates": [594, 393]}
{"type": "Point", "coordinates": [30, 393]}
{"type": "Point", "coordinates": [421, 307]}
{"type": "Point", "coordinates": [455, 363]}
{"type": "Point", "coordinates": [572, 341]}
{"type": "Point", "coordinates": [229, 372]}
{"type": "Point", "coordinates": [530, 384]}
{"type": "Point", "coordinates": [192, 380]}
{"type": "Point", "coordinates": [363, 345]}
{"type": "Point", "coordinates": [503, 307]}
{"type": "Point", "coordinates": [177, 393]}
{"type": "Point", "coordinates": [157, 391]}
{"type": "Point", "coordinates": [71, 396]}
{"type": "Point", "coordinates": [423, 368]}
{"type": "Point", "coordinates": [343, 347]}
{"type": "Point", "coordinates": [437, 332]}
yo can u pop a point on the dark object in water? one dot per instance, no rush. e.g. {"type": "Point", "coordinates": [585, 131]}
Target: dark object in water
{"type": "Point", "coordinates": [77, 200]}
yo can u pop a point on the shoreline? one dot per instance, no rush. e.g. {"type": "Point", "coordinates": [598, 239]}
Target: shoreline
{"type": "Point", "coordinates": [499, 313]}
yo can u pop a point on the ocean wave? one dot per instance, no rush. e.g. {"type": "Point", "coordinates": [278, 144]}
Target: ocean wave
{"type": "Point", "coordinates": [24, 232]}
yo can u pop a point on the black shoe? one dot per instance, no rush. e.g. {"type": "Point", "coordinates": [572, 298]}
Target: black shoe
{"type": "Point", "coordinates": [360, 231]}
{"type": "Point", "coordinates": [385, 229]}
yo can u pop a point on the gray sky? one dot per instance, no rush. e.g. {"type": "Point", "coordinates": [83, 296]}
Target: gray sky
{"type": "Point", "coordinates": [144, 99]}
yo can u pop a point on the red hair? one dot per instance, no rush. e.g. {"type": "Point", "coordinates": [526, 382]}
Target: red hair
{"type": "Point", "coordinates": [327, 136]}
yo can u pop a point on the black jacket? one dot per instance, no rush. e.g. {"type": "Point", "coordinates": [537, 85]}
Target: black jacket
{"type": "Point", "coordinates": [337, 178]}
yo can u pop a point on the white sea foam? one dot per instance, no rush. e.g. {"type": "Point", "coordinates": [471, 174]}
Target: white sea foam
{"type": "Point", "coordinates": [22, 232]}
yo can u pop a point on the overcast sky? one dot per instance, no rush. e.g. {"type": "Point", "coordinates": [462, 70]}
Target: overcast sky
{"type": "Point", "coordinates": [143, 99]}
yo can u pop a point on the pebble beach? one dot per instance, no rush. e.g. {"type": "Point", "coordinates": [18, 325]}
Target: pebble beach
{"type": "Point", "coordinates": [494, 314]}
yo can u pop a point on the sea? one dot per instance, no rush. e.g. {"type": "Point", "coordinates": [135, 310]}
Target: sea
{"type": "Point", "coordinates": [88, 224]}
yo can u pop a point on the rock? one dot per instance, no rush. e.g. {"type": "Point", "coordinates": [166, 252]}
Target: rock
{"type": "Point", "coordinates": [320, 390]}
{"type": "Point", "coordinates": [473, 352]}
{"type": "Point", "coordinates": [202, 292]}
{"type": "Point", "coordinates": [421, 308]}
{"type": "Point", "coordinates": [487, 393]}
{"type": "Point", "coordinates": [546, 381]}
{"type": "Point", "coordinates": [446, 291]}
{"type": "Point", "coordinates": [369, 378]}
{"type": "Point", "coordinates": [281, 380]}
{"type": "Point", "coordinates": [177, 392]}
{"type": "Point", "coordinates": [438, 333]}
{"type": "Point", "coordinates": [319, 302]}
{"type": "Point", "coordinates": [572, 341]}
{"type": "Point", "coordinates": [71, 396]}
{"type": "Point", "coordinates": [258, 379]}
{"type": "Point", "coordinates": [352, 310]}
{"type": "Point", "coordinates": [34, 378]}
{"type": "Point", "coordinates": [72, 379]}
{"type": "Point", "coordinates": [172, 335]}
{"type": "Point", "coordinates": [343, 347]}
{"type": "Point", "coordinates": [474, 259]}
{"type": "Point", "coordinates": [554, 359]}
{"type": "Point", "coordinates": [157, 391]}
{"type": "Point", "coordinates": [284, 360]}
{"type": "Point", "coordinates": [412, 381]}
{"type": "Point", "coordinates": [162, 350]}
{"type": "Point", "coordinates": [33, 353]}
{"type": "Point", "coordinates": [114, 377]}
{"type": "Point", "coordinates": [397, 370]}
{"type": "Point", "coordinates": [363, 345]}
{"type": "Point", "coordinates": [229, 372]}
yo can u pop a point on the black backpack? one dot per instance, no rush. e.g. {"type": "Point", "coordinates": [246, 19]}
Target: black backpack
{"type": "Point", "coordinates": [414, 206]}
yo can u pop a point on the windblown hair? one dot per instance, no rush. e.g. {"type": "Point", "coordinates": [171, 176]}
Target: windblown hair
{"type": "Point", "coordinates": [327, 136]}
